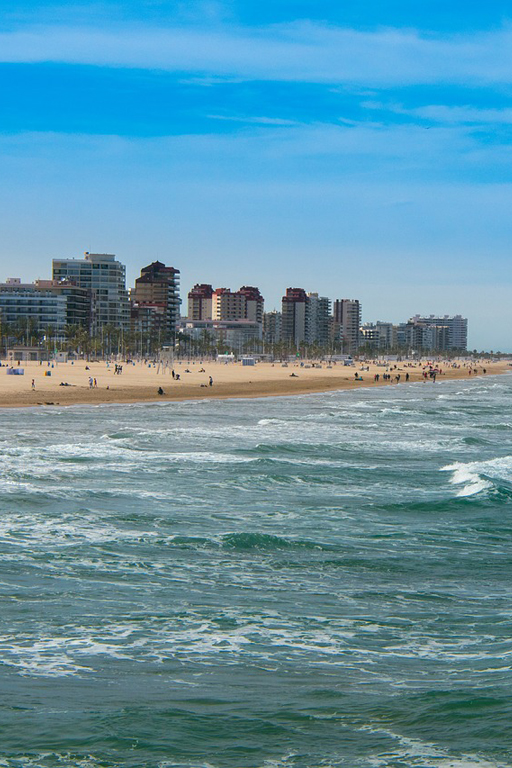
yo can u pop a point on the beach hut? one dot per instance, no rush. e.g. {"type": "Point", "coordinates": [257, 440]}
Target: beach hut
{"type": "Point", "coordinates": [26, 354]}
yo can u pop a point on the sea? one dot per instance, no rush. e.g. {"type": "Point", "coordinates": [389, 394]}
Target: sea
{"type": "Point", "coordinates": [298, 582]}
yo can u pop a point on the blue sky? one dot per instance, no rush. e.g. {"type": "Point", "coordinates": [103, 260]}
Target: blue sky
{"type": "Point", "coordinates": [358, 149]}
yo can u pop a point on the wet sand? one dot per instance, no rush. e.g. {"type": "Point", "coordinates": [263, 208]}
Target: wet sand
{"type": "Point", "coordinates": [139, 382]}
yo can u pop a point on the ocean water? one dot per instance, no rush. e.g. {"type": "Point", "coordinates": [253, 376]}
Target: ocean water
{"type": "Point", "coordinates": [315, 581]}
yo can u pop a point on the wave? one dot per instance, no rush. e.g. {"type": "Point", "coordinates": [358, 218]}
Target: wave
{"type": "Point", "coordinates": [266, 542]}
{"type": "Point", "coordinates": [417, 753]}
{"type": "Point", "coordinates": [246, 541]}
{"type": "Point", "coordinates": [478, 476]}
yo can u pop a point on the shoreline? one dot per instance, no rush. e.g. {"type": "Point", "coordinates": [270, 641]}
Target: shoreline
{"type": "Point", "coordinates": [139, 383]}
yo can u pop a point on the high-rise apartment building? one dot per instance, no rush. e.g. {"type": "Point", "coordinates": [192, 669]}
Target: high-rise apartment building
{"type": "Point", "coordinates": [105, 278]}
{"type": "Point", "coordinates": [419, 336]}
{"type": "Point", "coordinates": [272, 327]}
{"type": "Point", "coordinates": [369, 335]}
{"type": "Point", "coordinates": [46, 305]}
{"type": "Point", "coordinates": [157, 289]}
{"type": "Point", "coordinates": [456, 333]}
{"type": "Point", "coordinates": [253, 303]}
{"type": "Point", "coordinates": [200, 302]}
{"type": "Point", "coordinates": [317, 319]}
{"type": "Point", "coordinates": [379, 335]}
{"type": "Point", "coordinates": [294, 310]}
{"type": "Point", "coordinates": [387, 334]}
{"type": "Point", "coordinates": [347, 313]}
{"type": "Point", "coordinates": [226, 305]}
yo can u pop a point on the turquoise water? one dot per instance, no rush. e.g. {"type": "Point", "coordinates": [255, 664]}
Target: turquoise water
{"type": "Point", "coordinates": [312, 581]}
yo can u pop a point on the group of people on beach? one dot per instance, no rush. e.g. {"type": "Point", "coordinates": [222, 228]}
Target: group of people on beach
{"type": "Point", "coordinates": [176, 377]}
{"type": "Point", "coordinates": [388, 377]}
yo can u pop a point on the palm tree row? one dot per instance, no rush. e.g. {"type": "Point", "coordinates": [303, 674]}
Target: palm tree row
{"type": "Point", "coordinates": [113, 341]}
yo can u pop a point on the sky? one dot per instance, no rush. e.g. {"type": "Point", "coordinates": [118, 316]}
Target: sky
{"type": "Point", "coordinates": [357, 148]}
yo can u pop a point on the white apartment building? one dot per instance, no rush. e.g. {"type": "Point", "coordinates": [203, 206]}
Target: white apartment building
{"type": "Point", "coordinates": [456, 330]}
{"type": "Point", "coordinates": [347, 313]}
{"type": "Point", "coordinates": [272, 327]}
{"type": "Point", "coordinates": [105, 277]}
{"type": "Point", "coordinates": [317, 319]}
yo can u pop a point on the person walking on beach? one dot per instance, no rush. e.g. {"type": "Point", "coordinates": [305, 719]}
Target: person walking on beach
{"type": "Point", "coordinates": [90, 382]}
{"type": "Point", "coordinates": [210, 382]}
{"type": "Point", "coordinates": [33, 384]}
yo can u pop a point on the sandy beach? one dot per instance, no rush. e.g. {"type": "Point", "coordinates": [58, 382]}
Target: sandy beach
{"type": "Point", "coordinates": [140, 382]}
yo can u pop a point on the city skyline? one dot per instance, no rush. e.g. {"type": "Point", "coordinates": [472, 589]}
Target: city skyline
{"type": "Point", "coordinates": [69, 269]}
{"type": "Point", "coordinates": [91, 295]}
{"type": "Point", "coordinates": [356, 151]}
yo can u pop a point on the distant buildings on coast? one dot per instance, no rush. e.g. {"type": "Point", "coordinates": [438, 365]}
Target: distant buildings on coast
{"type": "Point", "coordinates": [86, 304]}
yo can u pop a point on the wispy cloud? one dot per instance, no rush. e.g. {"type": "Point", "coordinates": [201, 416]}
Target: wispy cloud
{"type": "Point", "coordinates": [315, 152]}
{"type": "Point", "coordinates": [298, 51]}
{"type": "Point", "coordinates": [254, 120]}
{"type": "Point", "coordinates": [444, 114]}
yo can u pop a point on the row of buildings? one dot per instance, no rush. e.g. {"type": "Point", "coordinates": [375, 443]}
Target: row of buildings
{"type": "Point", "coordinates": [91, 294]}
{"type": "Point", "coordinates": [418, 333]}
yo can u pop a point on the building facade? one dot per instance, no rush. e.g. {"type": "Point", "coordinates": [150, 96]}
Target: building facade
{"type": "Point", "coordinates": [379, 336]}
{"type": "Point", "coordinates": [225, 305]}
{"type": "Point", "coordinates": [228, 305]}
{"type": "Point", "coordinates": [272, 327]}
{"type": "Point", "coordinates": [157, 290]}
{"type": "Point", "coordinates": [78, 300]}
{"type": "Point", "coordinates": [455, 337]}
{"type": "Point", "coordinates": [387, 334]}
{"type": "Point", "coordinates": [347, 313]}
{"type": "Point", "coordinates": [200, 302]}
{"type": "Point", "coordinates": [318, 312]}
{"type": "Point", "coordinates": [236, 335]}
{"type": "Point", "coordinates": [254, 303]}
{"type": "Point", "coordinates": [294, 309]}
{"type": "Point", "coordinates": [105, 278]}
{"type": "Point", "coordinates": [43, 306]}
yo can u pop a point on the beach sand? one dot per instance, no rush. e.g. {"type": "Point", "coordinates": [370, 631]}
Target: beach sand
{"type": "Point", "coordinates": [139, 382]}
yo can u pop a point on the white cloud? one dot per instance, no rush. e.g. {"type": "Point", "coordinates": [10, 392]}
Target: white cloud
{"type": "Point", "coordinates": [300, 51]}
{"type": "Point", "coordinates": [442, 113]}
{"type": "Point", "coordinates": [265, 142]}
{"type": "Point", "coordinates": [254, 120]}
{"type": "Point", "coordinates": [445, 114]}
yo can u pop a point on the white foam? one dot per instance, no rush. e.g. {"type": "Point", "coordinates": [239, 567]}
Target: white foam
{"type": "Point", "coordinates": [469, 474]}
{"type": "Point", "coordinates": [56, 532]}
{"type": "Point", "coordinates": [422, 754]}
